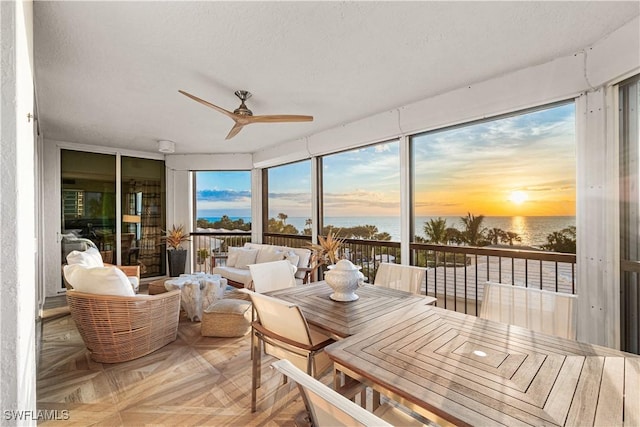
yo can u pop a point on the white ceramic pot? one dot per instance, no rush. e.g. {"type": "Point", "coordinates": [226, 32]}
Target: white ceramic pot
{"type": "Point", "coordinates": [344, 278]}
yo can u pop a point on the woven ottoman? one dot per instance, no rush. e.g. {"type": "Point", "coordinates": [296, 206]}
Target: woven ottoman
{"type": "Point", "coordinates": [227, 318]}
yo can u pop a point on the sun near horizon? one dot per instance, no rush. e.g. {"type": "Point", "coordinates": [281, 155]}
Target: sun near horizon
{"type": "Point", "coordinates": [518, 197]}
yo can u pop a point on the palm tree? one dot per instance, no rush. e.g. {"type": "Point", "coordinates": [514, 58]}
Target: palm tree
{"type": "Point", "coordinates": [436, 230]}
{"type": "Point", "coordinates": [382, 236]}
{"type": "Point", "coordinates": [473, 232]}
{"type": "Point", "coordinates": [495, 235]}
{"type": "Point", "coordinates": [283, 217]}
{"type": "Point", "coordinates": [307, 226]}
{"type": "Point", "coordinates": [562, 241]}
{"type": "Point", "coordinates": [510, 236]}
{"type": "Point", "coordinates": [454, 235]}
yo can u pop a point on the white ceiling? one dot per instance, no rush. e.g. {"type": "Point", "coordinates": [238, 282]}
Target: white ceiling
{"type": "Point", "coordinates": [108, 73]}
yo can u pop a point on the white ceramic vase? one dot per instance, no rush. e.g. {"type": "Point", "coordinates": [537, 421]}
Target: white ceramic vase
{"type": "Point", "coordinates": [344, 278]}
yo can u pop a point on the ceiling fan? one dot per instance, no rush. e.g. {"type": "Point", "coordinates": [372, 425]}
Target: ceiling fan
{"type": "Point", "coordinates": [244, 116]}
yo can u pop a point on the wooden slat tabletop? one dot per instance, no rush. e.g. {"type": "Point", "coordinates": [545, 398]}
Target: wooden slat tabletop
{"type": "Point", "coordinates": [470, 371]}
{"type": "Point", "coordinates": [343, 319]}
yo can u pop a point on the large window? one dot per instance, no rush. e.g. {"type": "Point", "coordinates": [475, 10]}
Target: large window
{"type": "Point", "coordinates": [361, 192]}
{"type": "Point", "coordinates": [507, 181]}
{"type": "Point", "coordinates": [289, 198]}
{"type": "Point", "coordinates": [223, 200]}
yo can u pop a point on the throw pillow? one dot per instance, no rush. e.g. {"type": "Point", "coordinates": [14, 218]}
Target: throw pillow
{"type": "Point", "coordinates": [232, 259]}
{"type": "Point", "coordinates": [246, 257]}
{"type": "Point", "coordinates": [292, 257]}
{"type": "Point", "coordinates": [135, 284]}
{"type": "Point", "coordinates": [89, 258]}
{"type": "Point", "coordinates": [267, 254]}
{"type": "Point", "coordinates": [98, 280]}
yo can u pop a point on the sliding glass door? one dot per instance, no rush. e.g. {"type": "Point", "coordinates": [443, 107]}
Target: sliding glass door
{"type": "Point", "coordinates": [90, 212]}
{"type": "Point", "coordinates": [88, 202]}
{"type": "Point", "coordinates": [629, 97]}
{"type": "Point", "coordinates": [143, 218]}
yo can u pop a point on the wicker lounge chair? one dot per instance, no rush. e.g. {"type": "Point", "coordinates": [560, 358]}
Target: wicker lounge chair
{"type": "Point", "coordinates": [117, 328]}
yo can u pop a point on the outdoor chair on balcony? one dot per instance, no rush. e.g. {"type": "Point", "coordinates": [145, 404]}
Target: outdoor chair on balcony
{"type": "Point", "coordinates": [271, 276]}
{"type": "Point", "coordinates": [403, 277]}
{"type": "Point", "coordinates": [544, 311]}
{"type": "Point", "coordinates": [327, 407]}
{"type": "Point", "coordinates": [267, 277]}
{"type": "Point", "coordinates": [121, 328]}
{"type": "Point", "coordinates": [283, 330]}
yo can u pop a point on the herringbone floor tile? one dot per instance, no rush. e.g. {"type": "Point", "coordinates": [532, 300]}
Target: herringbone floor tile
{"type": "Point", "coordinates": [194, 381]}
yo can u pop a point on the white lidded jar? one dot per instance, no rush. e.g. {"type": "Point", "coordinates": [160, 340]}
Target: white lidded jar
{"type": "Point", "coordinates": [344, 278]}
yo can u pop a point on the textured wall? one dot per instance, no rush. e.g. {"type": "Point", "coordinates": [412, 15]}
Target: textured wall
{"type": "Point", "coordinates": [17, 216]}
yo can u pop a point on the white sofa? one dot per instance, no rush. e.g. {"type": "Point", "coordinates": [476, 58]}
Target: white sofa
{"type": "Point", "coordinates": [237, 269]}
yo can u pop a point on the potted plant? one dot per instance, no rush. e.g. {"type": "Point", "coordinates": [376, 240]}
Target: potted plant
{"type": "Point", "coordinates": [326, 251]}
{"type": "Point", "coordinates": [176, 254]}
{"type": "Point", "coordinates": [202, 255]}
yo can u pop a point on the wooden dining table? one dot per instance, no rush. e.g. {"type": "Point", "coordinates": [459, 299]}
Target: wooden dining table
{"type": "Point", "coordinates": [343, 319]}
{"type": "Point", "coordinates": [458, 369]}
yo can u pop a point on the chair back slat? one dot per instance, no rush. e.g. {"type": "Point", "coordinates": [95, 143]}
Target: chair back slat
{"type": "Point", "coordinates": [403, 277]}
{"type": "Point", "coordinates": [271, 276]}
{"type": "Point", "coordinates": [327, 407]}
{"type": "Point", "coordinates": [281, 318]}
{"type": "Point", "coordinates": [544, 311]}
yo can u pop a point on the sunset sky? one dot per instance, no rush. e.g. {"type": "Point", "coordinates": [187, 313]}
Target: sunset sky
{"type": "Point", "coordinates": [481, 168]}
{"type": "Point", "coordinates": [520, 165]}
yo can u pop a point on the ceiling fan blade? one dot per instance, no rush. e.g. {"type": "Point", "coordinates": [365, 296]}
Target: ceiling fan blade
{"type": "Point", "coordinates": [281, 118]}
{"type": "Point", "coordinates": [234, 130]}
{"type": "Point", "coordinates": [208, 104]}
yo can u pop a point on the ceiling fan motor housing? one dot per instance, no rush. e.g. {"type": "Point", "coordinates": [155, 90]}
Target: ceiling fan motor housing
{"type": "Point", "coordinates": [242, 109]}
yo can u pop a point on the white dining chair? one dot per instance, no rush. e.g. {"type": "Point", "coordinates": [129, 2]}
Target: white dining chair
{"type": "Point", "coordinates": [282, 328]}
{"type": "Point", "coordinates": [544, 311]}
{"type": "Point", "coordinates": [328, 408]}
{"type": "Point", "coordinates": [272, 276]}
{"type": "Point", "coordinates": [404, 277]}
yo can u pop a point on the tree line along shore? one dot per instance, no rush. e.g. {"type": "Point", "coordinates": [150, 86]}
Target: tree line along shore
{"type": "Point", "coordinates": [471, 232]}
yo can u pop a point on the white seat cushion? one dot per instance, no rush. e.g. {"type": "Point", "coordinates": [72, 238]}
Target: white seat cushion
{"type": "Point", "coordinates": [98, 280]}
{"type": "Point", "coordinates": [236, 274]}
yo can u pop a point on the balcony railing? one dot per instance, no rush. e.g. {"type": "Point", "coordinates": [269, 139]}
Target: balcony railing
{"type": "Point", "coordinates": [455, 274]}
{"type": "Point", "coordinates": [210, 248]}
{"type": "Point", "coordinates": [370, 253]}
{"type": "Point", "coordinates": [289, 240]}
{"type": "Point", "coordinates": [366, 253]}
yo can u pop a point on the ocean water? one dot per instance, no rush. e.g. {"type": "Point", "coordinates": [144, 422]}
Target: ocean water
{"type": "Point", "coordinates": [532, 229]}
